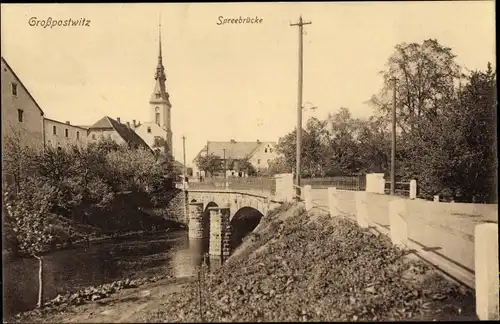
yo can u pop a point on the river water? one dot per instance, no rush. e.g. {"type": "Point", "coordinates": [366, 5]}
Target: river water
{"type": "Point", "coordinates": [70, 270]}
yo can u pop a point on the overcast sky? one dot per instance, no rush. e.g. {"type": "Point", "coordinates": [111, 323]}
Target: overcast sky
{"type": "Point", "coordinates": [230, 81]}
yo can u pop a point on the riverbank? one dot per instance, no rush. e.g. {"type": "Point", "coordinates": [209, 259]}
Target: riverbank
{"type": "Point", "coordinates": [84, 270]}
{"type": "Point", "coordinates": [295, 266]}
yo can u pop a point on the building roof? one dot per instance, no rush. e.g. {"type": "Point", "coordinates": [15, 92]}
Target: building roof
{"type": "Point", "coordinates": [22, 84]}
{"type": "Point", "coordinates": [128, 135]}
{"type": "Point", "coordinates": [63, 123]}
{"type": "Point", "coordinates": [233, 149]}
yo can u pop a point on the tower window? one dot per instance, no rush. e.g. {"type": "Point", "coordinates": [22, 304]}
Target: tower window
{"type": "Point", "coordinates": [66, 132]}
{"type": "Point", "coordinates": [265, 150]}
{"type": "Point", "coordinates": [149, 129]}
{"type": "Point", "coordinates": [20, 115]}
{"type": "Point", "coordinates": [158, 95]}
{"type": "Point", "coordinates": [54, 130]}
{"type": "Point", "coordinates": [270, 150]}
{"type": "Point", "coordinates": [14, 89]}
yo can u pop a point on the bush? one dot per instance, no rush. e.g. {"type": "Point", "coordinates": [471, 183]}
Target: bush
{"type": "Point", "coordinates": [81, 184]}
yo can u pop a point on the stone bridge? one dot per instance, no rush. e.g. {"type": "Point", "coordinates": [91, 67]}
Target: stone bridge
{"type": "Point", "coordinates": [219, 219]}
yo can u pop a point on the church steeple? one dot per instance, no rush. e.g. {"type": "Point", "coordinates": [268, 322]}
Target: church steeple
{"type": "Point", "coordinates": [159, 101]}
{"type": "Point", "coordinates": [160, 70]}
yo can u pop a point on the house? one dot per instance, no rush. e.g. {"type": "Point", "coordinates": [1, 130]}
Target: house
{"type": "Point", "coordinates": [64, 135]}
{"type": "Point", "coordinates": [22, 117]}
{"type": "Point", "coordinates": [258, 154]}
{"type": "Point", "coordinates": [109, 128]}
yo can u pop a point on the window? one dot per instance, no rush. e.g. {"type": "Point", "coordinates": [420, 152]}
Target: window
{"type": "Point", "coordinates": [109, 136]}
{"type": "Point", "coordinates": [93, 136]}
{"type": "Point", "coordinates": [54, 130]}
{"type": "Point", "coordinates": [66, 132]}
{"type": "Point", "coordinates": [77, 135]}
{"type": "Point", "coordinates": [59, 148]}
{"type": "Point", "coordinates": [258, 161]}
{"type": "Point", "coordinates": [20, 115]}
{"type": "Point", "coordinates": [157, 119]}
{"type": "Point", "coordinates": [265, 150]}
{"type": "Point", "coordinates": [270, 150]}
{"type": "Point", "coordinates": [149, 129]}
{"type": "Point", "coordinates": [14, 89]}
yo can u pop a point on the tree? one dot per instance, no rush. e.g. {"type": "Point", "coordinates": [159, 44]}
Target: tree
{"type": "Point", "coordinates": [313, 148]}
{"type": "Point", "coordinates": [456, 155]}
{"type": "Point", "coordinates": [426, 76]}
{"type": "Point", "coordinates": [209, 163]}
{"type": "Point", "coordinates": [277, 166]}
{"type": "Point", "coordinates": [30, 216]}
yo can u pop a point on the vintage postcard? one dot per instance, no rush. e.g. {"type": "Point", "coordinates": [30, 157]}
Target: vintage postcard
{"type": "Point", "coordinates": [249, 162]}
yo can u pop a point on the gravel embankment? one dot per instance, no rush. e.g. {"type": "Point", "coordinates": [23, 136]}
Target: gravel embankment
{"type": "Point", "coordinates": [293, 268]}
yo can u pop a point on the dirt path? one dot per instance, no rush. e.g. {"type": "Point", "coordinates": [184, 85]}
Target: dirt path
{"type": "Point", "coordinates": [127, 306]}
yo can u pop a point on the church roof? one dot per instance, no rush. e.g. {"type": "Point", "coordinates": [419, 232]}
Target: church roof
{"type": "Point", "coordinates": [128, 135]}
{"type": "Point", "coordinates": [233, 149]}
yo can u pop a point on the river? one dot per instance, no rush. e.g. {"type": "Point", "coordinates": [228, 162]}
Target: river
{"type": "Point", "coordinates": [166, 253]}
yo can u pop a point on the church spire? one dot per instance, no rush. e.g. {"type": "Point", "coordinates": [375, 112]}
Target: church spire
{"type": "Point", "coordinates": [160, 70]}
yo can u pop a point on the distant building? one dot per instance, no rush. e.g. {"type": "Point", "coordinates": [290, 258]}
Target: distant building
{"type": "Point", "coordinates": [109, 128]}
{"type": "Point", "coordinates": [258, 154]}
{"type": "Point", "coordinates": [160, 124]}
{"type": "Point", "coordinates": [64, 135]}
{"type": "Point", "coordinates": [22, 117]}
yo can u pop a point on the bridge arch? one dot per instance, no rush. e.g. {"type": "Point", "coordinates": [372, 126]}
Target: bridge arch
{"type": "Point", "coordinates": [244, 221]}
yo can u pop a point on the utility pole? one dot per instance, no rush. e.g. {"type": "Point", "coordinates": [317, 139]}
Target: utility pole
{"type": "Point", "coordinates": [225, 180]}
{"type": "Point", "coordinates": [393, 148]}
{"type": "Point", "coordinates": [184, 153]}
{"type": "Point", "coordinates": [300, 24]}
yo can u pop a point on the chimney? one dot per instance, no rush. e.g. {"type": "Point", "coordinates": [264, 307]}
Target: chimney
{"type": "Point", "coordinates": [133, 122]}
{"type": "Point", "coordinates": [258, 142]}
{"type": "Point", "coordinates": [233, 141]}
{"type": "Point", "coordinates": [118, 120]}
{"type": "Point", "coordinates": [128, 124]}
{"type": "Point", "coordinates": [67, 122]}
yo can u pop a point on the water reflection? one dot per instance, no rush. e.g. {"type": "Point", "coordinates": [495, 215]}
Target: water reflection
{"type": "Point", "coordinates": [71, 270]}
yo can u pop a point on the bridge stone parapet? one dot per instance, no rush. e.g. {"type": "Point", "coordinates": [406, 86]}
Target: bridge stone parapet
{"type": "Point", "coordinates": [234, 200]}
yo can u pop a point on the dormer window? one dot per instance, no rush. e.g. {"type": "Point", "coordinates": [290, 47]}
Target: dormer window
{"type": "Point", "coordinates": [149, 129]}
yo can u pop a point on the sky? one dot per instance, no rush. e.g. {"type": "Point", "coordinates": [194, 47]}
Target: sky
{"type": "Point", "coordinates": [231, 81]}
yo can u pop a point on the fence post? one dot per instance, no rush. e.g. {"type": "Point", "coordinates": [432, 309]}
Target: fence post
{"type": "Point", "coordinates": [288, 189]}
{"type": "Point", "coordinates": [397, 223]}
{"type": "Point", "coordinates": [308, 197]}
{"type": "Point", "coordinates": [486, 268]}
{"type": "Point", "coordinates": [361, 209]}
{"type": "Point", "coordinates": [333, 202]}
{"type": "Point", "coordinates": [413, 189]}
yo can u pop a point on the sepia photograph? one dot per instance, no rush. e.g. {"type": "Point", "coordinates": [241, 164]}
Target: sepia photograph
{"type": "Point", "coordinates": [249, 162]}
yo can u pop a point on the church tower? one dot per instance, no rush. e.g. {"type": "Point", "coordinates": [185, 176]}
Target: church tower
{"type": "Point", "coordinates": [159, 103]}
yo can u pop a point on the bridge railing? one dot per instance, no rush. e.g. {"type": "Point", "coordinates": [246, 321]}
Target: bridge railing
{"type": "Point", "coordinates": [255, 184]}
{"type": "Point", "coordinates": [352, 183]}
